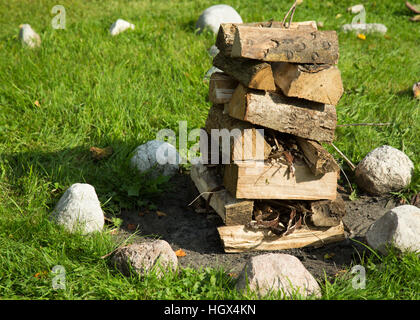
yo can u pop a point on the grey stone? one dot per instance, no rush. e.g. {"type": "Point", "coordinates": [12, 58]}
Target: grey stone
{"type": "Point", "coordinates": [365, 28]}
{"type": "Point", "coordinates": [213, 16]}
{"type": "Point", "coordinates": [29, 37]}
{"type": "Point", "coordinates": [79, 209]}
{"type": "Point", "coordinates": [274, 271]}
{"type": "Point", "coordinates": [151, 256]}
{"type": "Point", "coordinates": [384, 170]}
{"type": "Point", "coordinates": [399, 227]}
{"type": "Point", "coordinates": [158, 155]}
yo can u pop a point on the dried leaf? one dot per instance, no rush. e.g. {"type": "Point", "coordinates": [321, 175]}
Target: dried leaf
{"type": "Point", "coordinates": [415, 18]}
{"type": "Point", "coordinates": [180, 253]}
{"type": "Point", "coordinates": [161, 214]}
{"type": "Point", "coordinates": [131, 226]}
{"type": "Point", "coordinates": [416, 90]}
{"type": "Point", "coordinates": [99, 153]}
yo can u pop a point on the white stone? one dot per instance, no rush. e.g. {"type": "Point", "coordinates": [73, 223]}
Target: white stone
{"type": "Point", "coordinates": [213, 51]}
{"type": "Point", "coordinates": [144, 257]}
{"type": "Point", "coordinates": [209, 72]}
{"type": "Point", "coordinates": [119, 26]}
{"type": "Point", "coordinates": [399, 226]}
{"type": "Point", "coordinates": [213, 16]}
{"type": "Point", "coordinates": [275, 271]}
{"type": "Point", "coordinates": [158, 155]}
{"type": "Point", "coordinates": [356, 8]}
{"type": "Point", "coordinates": [29, 37]}
{"type": "Point", "coordinates": [365, 28]}
{"type": "Point", "coordinates": [384, 170]}
{"type": "Point", "coordinates": [79, 209]}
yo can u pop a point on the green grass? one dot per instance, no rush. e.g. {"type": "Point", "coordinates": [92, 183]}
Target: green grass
{"type": "Point", "coordinates": [96, 90]}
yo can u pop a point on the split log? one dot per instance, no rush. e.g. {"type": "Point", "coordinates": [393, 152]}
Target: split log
{"type": "Point", "coordinates": [251, 73]}
{"type": "Point", "coordinates": [285, 45]}
{"type": "Point", "coordinates": [231, 210]}
{"type": "Point", "coordinates": [319, 160]}
{"type": "Point", "coordinates": [320, 83]}
{"type": "Point", "coordinates": [244, 146]}
{"type": "Point", "coordinates": [221, 88]}
{"type": "Point", "coordinates": [306, 119]}
{"type": "Point", "coordinates": [258, 180]}
{"type": "Point", "coordinates": [226, 34]}
{"type": "Point", "coordinates": [240, 239]}
{"type": "Point", "coordinates": [328, 213]}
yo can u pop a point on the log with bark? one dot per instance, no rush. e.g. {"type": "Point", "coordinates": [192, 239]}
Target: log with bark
{"type": "Point", "coordinates": [251, 73]}
{"type": "Point", "coordinates": [319, 83]}
{"type": "Point", "coordinates": [302, 118]}
{"type": "Point", "coordinates": [285, 45]}
{"type": "Point", "coordinates": [231, 210]}
{"type": "Point", "coordinates": [221, 88]}
{"type": "Point", "coordinates": [319, 160]}
{"type": "Point", "coordinates": [241, 239]}
{"type": "Point", "coordinates": [259, 180]}
{"type": "Point", "coordinates": [226, 34]}
{"type": "Point", "coordinates": [245, 146]}
{"type": "Point", "coordinates": [326, 213]}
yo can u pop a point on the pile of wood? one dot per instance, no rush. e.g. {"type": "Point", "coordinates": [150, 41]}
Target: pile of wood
{"type": "Point", "coordinates": [278, 89]}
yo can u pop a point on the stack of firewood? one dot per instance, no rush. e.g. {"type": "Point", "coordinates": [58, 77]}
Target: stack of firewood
{"type": "Point", "coordinates": [278, 89]}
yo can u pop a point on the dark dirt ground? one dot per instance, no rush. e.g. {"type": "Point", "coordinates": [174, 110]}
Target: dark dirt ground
{"type": "Point", "coordinates": [196, 233]}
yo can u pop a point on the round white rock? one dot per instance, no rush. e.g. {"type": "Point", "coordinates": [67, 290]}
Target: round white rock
{"type": "Point", "coordinates": [213, 16]}
{"type": "Point", "coordinates": [29, 37]}
{"type": "Point", "coordinates": [119, 26]}
{"type": "Point", "coordinates": [399, 226]}
{"type": "Point", "coordinates": [384, 170]}
{"type": "Point", "coordinates": [158, 155]}
{"type": "Point", "coordinates": [79, 209]}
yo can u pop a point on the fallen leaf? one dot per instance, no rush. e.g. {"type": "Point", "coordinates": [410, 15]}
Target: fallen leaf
{"type": "Point", "coordinates": [161, 214]}
{"type": "Point", "coordinates": [99, 153]}
{"type": "Point", "coordinates": [415, 18]}
{"type": "Point", "coordinates": [180, 253]}
{"type": "Point", "coordinates": [361, 36]}
{"type": "Point", "coordinates": [131, 226]}
{"type": "Point", "coordinates": [387, 37]}
{"type": "Point", "coordinates": [40, 274]}
{"type": "Point", "coordinates": [340, 272]}
{"type": "Point", "coordinates": [416, 90]}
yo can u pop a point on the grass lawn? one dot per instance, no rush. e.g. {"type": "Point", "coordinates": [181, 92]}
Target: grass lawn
{"type": "Point", "coordinates": [84, 88]}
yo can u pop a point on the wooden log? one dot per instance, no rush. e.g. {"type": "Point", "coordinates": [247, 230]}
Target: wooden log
{"type": "Point", "coordinates": [251, 73]}
{"type": "Point", "coordinates": [315, 83]}
{"type": "Point", "coordinates": [226, 34]}
{"type": "Point", "coordinates": [243, 147]}
{"type": "Point", "coordinates": [240, 239]}
{"type": "Point", "coordinates": [319, 160]}
{"type": "Point", "coordinates": [306, 119]}
{"type": "Point", "coordinates": [258, 180]}
{"type": "Point", "coordinates": [231, 210]}
{"type": "Point", "coordinates": [328, 213]}
{"type": "Point", "coordinates": [285, 45]}
{"type": "Point", "coordinates": [221, 88]}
